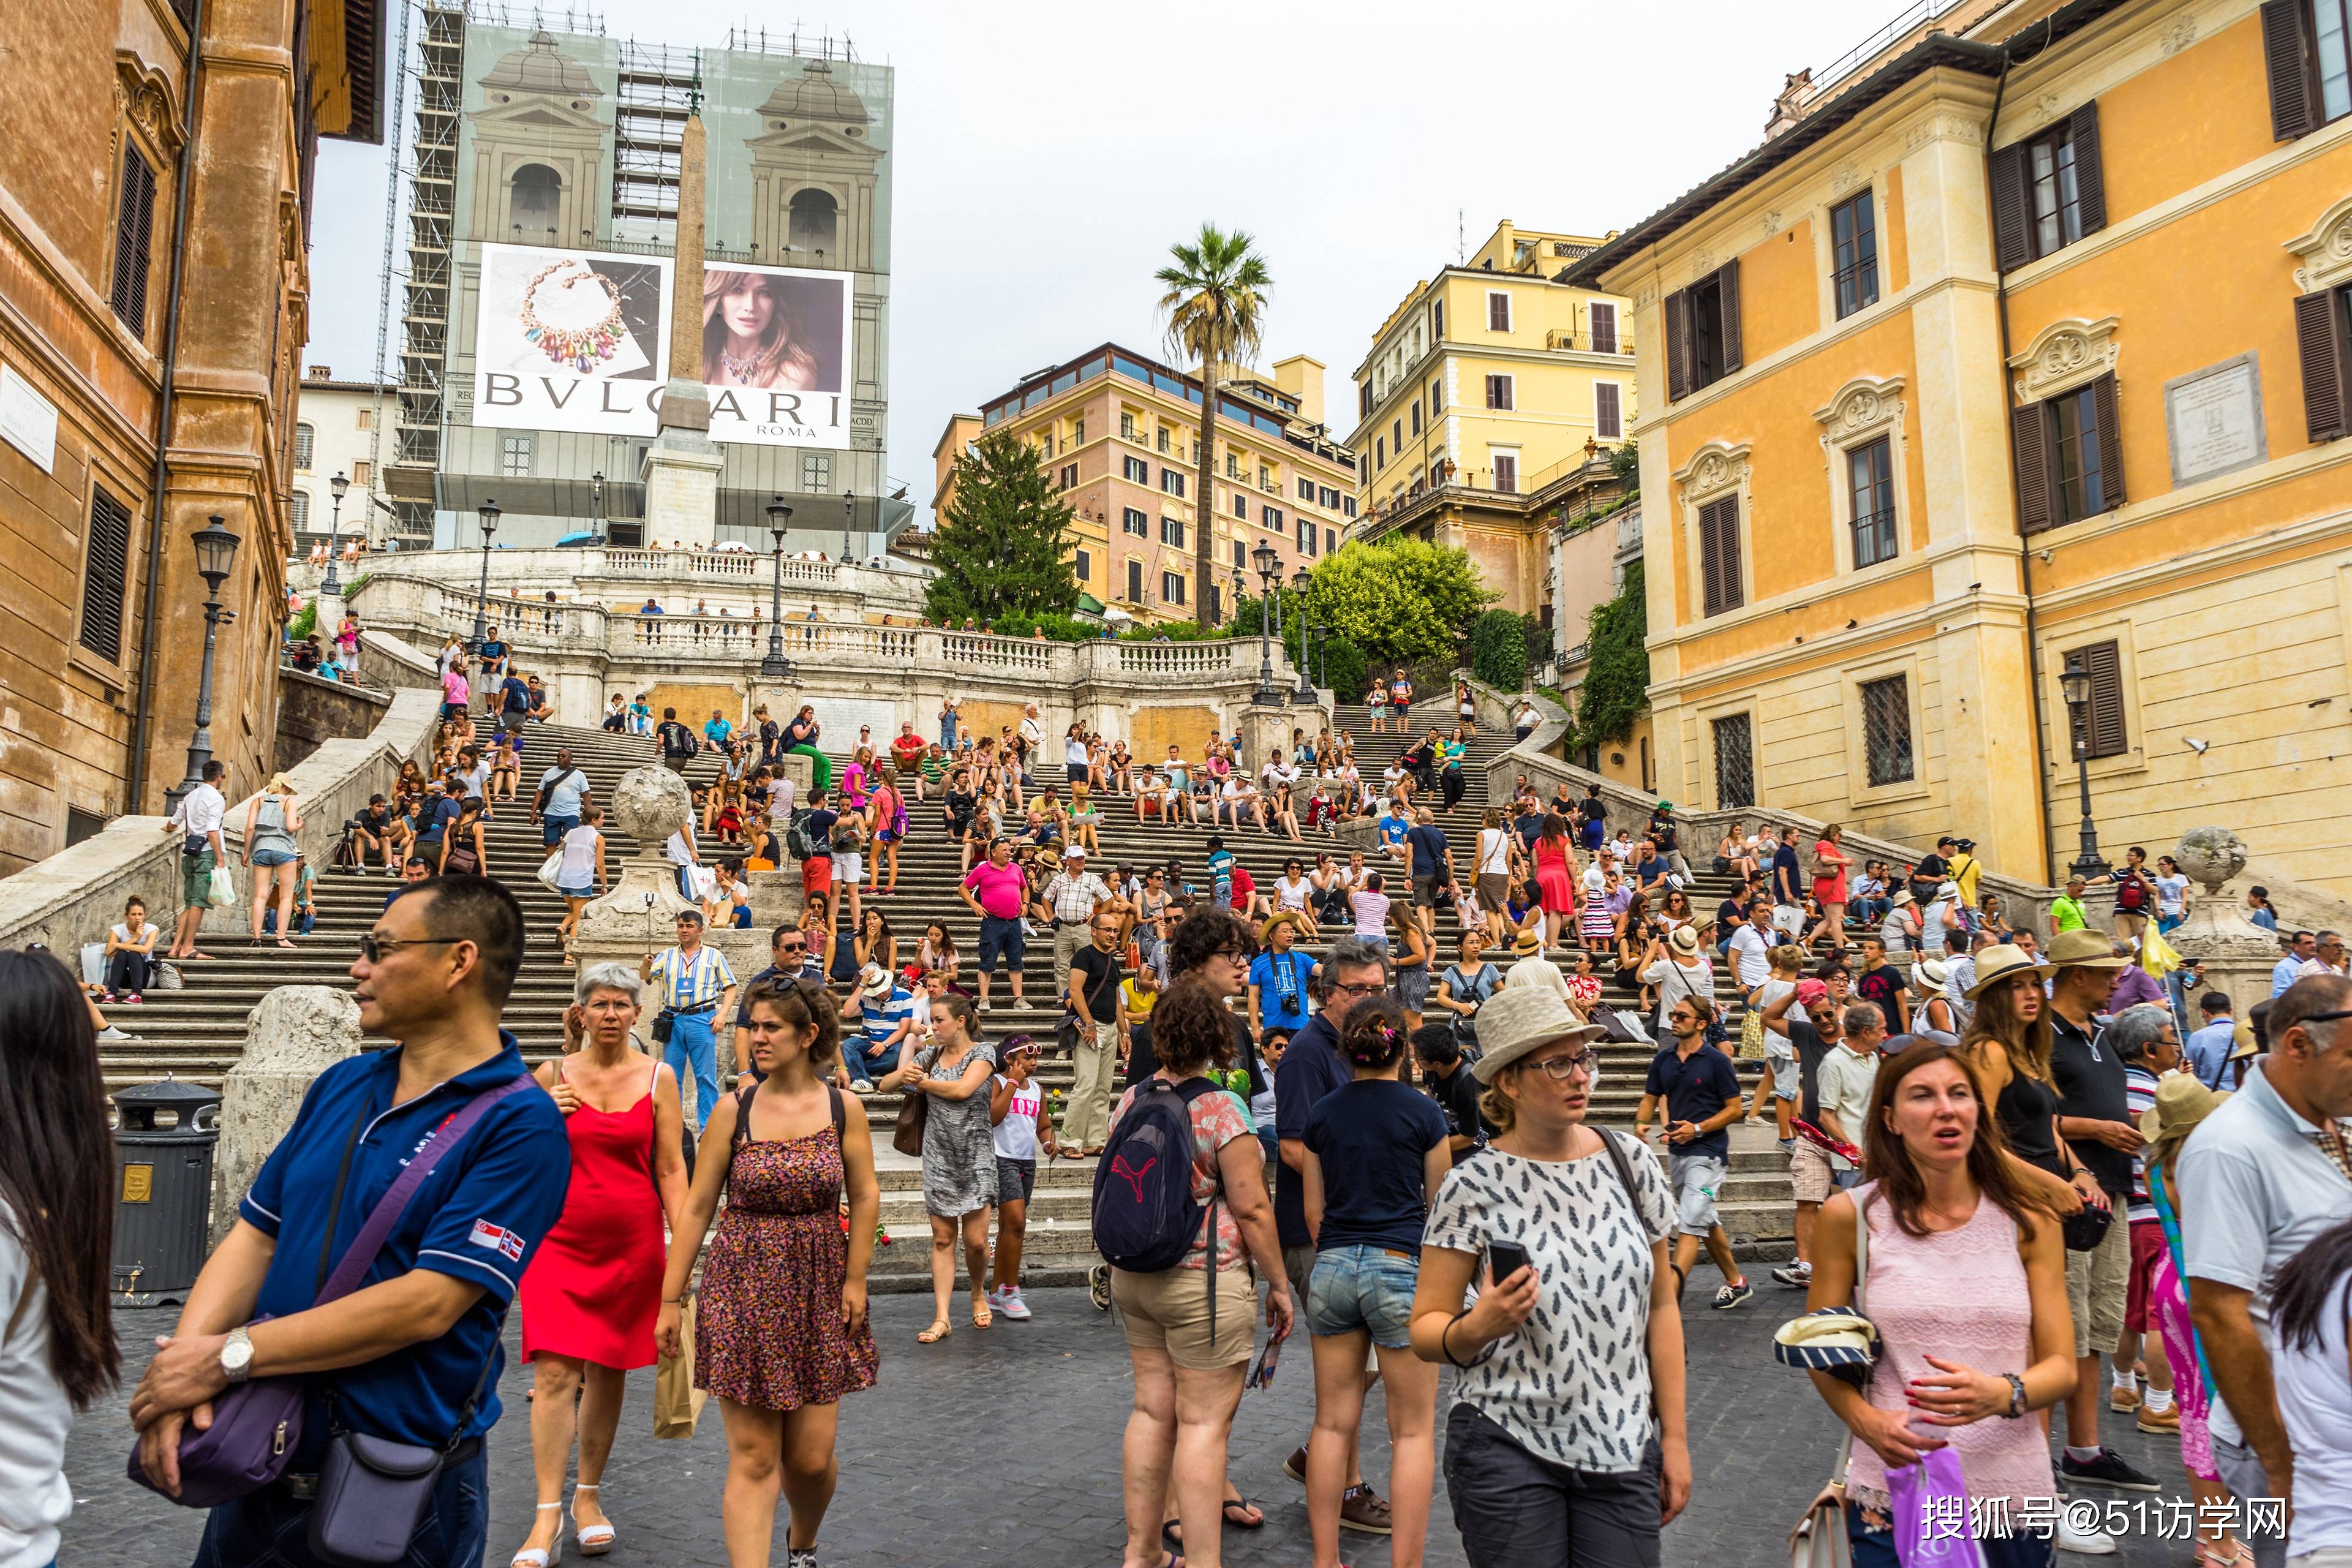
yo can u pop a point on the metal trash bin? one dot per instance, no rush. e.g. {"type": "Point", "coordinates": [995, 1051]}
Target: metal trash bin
{"type": "Point", "coordinates": [163, 1138]}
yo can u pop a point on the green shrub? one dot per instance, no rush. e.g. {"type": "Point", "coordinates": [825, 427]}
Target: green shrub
{"type": "Point", "coordinates": [1344, 670]}
{"type": "Point", "coordinates": [1498, 649]}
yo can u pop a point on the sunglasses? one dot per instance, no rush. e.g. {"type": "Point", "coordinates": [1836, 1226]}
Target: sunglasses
{"type": "Point", "coordinates": [373, 948]}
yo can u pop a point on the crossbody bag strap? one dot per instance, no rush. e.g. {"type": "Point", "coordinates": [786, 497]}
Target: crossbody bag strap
{"type": "Point", "coordinates": [335, 1206]}
{"type": "Point", "coordinates": [360, 1255]}
{"type": "Point", "coordinates": [1861, 1273]}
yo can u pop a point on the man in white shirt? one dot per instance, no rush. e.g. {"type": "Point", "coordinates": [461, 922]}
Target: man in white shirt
{"type": "Point", "coordinates": [1069, 902]}
{"type": "Point", "coordinates": [1751, 947]}
{"type": "Point", "coordinates": [197, 820]}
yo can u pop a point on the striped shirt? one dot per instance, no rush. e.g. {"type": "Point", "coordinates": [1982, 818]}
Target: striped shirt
{"type": "Point", "coordinates": [1073, 899]}
{"type": "Point", "coordinates": [691, 982]}
{"type": "Point", "coordinates": [2139, 1097]}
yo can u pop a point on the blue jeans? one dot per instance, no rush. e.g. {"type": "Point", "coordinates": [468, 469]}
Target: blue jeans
{"type": "Point", "coordinates": [690, 1046]}
{"type": "Point", "coordinates": [271, 1528]}
{"type": "Point", "coordinates": [864, 1066]}
{"type": "Point", "coordinates": [303, 920]}
{"type": "Point", "coordinates": [947, 734]}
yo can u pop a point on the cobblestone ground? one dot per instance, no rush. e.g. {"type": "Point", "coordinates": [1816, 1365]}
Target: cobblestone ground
{"type": "Point", "coordinates": [1003, 1447]}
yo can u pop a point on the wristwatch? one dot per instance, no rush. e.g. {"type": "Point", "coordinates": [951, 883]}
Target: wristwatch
{"type": "Point", "coordinates": [237, 1356]}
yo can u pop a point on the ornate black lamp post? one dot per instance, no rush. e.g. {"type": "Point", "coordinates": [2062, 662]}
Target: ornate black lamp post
{"type": "Point", "coordinates": [216, 553]}
{"type": "Point", "coordinates": [1267, 563]}
{"type": "Point", "coordinates": [338, 485]}
{"type": "Point", "coordinates": [1304, 696]}
{"type": "Point", "coordinates": [848, 517]}
{"type": "Point", "coordinates": [2074, 681]}
{"type": "Point", "coordinates": [489, 515]}
{"type": "Point", "coordinates": [775, 666]}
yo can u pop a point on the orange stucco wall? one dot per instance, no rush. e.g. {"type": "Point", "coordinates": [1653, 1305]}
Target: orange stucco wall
{"type": "Point", "coordinates": [1779, 292]}
{"type": "Point", "coordinates": [2184, 121]}
{"type": "Point", "coordinates": [1892, 237]}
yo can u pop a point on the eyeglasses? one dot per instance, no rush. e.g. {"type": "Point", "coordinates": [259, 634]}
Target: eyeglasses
{"type": "Point", "coordinates": [1373, 989]}
{"type": "Point", "coordinates": [1559, 1070]}
{"type": "Point", "coordinates": [1231, 954]}
{"type": "Point", "coordinates": [373, 948]}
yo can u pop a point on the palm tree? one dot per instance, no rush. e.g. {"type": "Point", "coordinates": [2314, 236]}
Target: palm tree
{"type": "Point", "coordinates": [1215, 306]}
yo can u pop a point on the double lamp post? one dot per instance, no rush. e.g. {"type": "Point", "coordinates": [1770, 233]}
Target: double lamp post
{"type": "Point", "coordinates": [1268, 563]}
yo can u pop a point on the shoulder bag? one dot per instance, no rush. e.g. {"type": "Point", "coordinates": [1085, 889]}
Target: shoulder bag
{"type": "Point", "coordinates": [1819, 1541]}
{"type": "Point", "coordinates": [256, 1425]}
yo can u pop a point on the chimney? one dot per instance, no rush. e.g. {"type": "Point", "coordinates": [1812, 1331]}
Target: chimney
{"type": "Point", "coordinates": [1789, 107]}
{"type": "Point", "coordinates": [320, 373]}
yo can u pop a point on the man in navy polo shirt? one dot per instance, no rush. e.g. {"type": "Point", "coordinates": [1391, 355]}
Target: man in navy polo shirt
{"type": "Point", "coordinates": [404, 1352]}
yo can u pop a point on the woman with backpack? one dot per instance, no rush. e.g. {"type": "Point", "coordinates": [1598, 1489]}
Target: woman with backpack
{"type": "Point", "coordinates": [1188, 1305]}
{"type": "Point", "coordinates": [781, 1330]}
{"type": "Point", "coordinates": [1376, 1151]}
{"type": "Point", "coordinates": [271, 822]}
{"type": "Point", "coordinates": [1465, 983]}
{"type": "Point", "coordinates": [1567, 1422]}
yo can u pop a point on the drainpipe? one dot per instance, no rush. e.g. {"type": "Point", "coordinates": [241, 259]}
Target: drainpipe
{"type": "Point", "coordinates": [143, 713]}
{"type": "Point", "coordinates": [2009, 435]}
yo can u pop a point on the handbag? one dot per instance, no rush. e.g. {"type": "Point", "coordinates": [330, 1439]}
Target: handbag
{"type": "Point", "coordinates": [914, 1115]}
{"type": "Point", "coordinates": [1818, 1540]}
{"type": "Point", "coordinates": [1751, 1033]}
{"type": "Point", "coordinates": [256, 1425]}
{"type": "Point", "coordinates": [677, 1404]}
{"type": "Point", "coordinates": [550, 866]}
{"type": "Point", "coordinates": [2087, 1227]}
{"type": "Point", "coordinates": [221, 891]}
{"type": "Point", "coordinates": [372, 1490]}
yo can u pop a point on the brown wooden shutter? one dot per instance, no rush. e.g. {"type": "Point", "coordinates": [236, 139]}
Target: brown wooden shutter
{"type": "Point", "coordinates": [2286, 50]}
{"type": "Point", "coordinates": [1728, 278]}
{"type": "Point", "coordinates": [2319, 334]}
{"type": "Point", "coordinates": [105, 577]}
{"type": "Point", "coordinates": [2008, 228]}
{"type": "Point", "coordinates": [2111, 445]}
{"type": "Point", "coordinates": [2090, 177]}
{"type": "Point", "coordinates": [2030, 449]}
{"type": "Point", "coordinates": [135, 233]}
{"type": "Point", "coordinates": [1718, 555]}
{"type": "Point", "coordinates": [2104, 664]}
{"type": "Point", "coordinates": [1678, 355]}
{"type": "Point", "coordinates": [1604, 329]}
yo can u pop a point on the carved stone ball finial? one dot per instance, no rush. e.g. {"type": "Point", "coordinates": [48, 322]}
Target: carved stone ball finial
{"type": "Point", "coordinates": [648, 803]}
{"type": "Point", "coordinates": [2210, 857]}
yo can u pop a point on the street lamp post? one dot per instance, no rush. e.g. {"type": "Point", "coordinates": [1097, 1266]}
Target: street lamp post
{"type": "Point", "coordinates": [489, 515]}
{"type": "Point", "coordinates": [597, 503]}
{"type": "Point", "coordinates": [1304, 696]}
{"type": "Point", "coordinates": [1267, 563]}
{"type": "Point", "coordinates": [848, 517]}
{"type": "Point", "coordinates": [2074, 683]}
{"type": "Point", "coordinates": [775, 666]}
{"type": "Point", "coordinates": [337, 485]}
{"type": "Point", "coordinates": [215, 552]}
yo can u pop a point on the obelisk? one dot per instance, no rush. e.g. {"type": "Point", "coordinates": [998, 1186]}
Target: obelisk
{"type": "Point", "coordinates": [681, 473]}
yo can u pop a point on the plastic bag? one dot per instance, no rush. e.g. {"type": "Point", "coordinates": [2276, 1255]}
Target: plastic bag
{"type": "Point", "coordinates": [223, 890]}
{"type": "Point", "coordinates": [1930, 1501]}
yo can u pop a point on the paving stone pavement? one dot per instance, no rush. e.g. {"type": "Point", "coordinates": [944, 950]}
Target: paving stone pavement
{"type": "Point", "coordinates": [1003, 1447]}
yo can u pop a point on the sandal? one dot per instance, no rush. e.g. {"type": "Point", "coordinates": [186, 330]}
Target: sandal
{"type": "Point", "coordinates": [981, 1317]}
{"type": "Point", "coordinates": [593, 1540]}
{"type": "Point", "coordinates": [539, 1556]}
{"type": "Point", "coordinates": [941, 1328]}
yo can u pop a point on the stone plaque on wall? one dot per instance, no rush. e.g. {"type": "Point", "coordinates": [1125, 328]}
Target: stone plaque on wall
{"type": "Point", "coordinates": [2213, 420]}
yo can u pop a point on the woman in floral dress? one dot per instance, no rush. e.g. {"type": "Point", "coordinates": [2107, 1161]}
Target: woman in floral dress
{"type": "Point", "coordinates": [781, 1332]}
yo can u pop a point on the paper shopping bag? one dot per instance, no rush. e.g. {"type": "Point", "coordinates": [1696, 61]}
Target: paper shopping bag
{"type": "Point", "coordinates": [677, 1404]}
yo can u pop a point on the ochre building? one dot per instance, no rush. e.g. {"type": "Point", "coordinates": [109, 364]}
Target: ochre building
{"type": "Point", "coordinates": [2021, 346]}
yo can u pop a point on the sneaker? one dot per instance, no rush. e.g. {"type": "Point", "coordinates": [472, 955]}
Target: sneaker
{"type": "Point", "coordinates": [2088, 1542]}
{"type": "Point", "coordinates": [862, 1086]}
{"type": "Point", "coordinates": [2164, 1423]}
{"type": "Point", "coordinates": [1733, 1295]}
{"type": "Point", "coordinates": [1787, 1145]}
{"type": "Point", "coordinates": [1010, 1303]}
{"type": "Point", "coordinates": [2109, 1469]}
{"type": "Point", "coordinates": [2122, 1400]}
{"type": "Point", "coordinates": [1295, 1466]}
{"type": "Point", "coordinates": [111, 1033]}
{"type": "Point", "coordinates": [1361, 1508]}
{"type": "Point", "coordinates": [135, 999]}
{"type": "Point", "coordinates": [1796, 1275]}
{"type": "Point", "coordinates": [1098, 1287]}
{"type": "Point", "coordinates": [801, 1557]}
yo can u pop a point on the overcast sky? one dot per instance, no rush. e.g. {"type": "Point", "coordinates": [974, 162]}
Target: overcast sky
{"type": "Point", "coordinates": [1047, 153]}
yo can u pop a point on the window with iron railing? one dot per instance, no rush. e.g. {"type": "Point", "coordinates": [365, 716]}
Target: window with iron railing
{"type": "Point", "coordinates": [1853, 234]}
{"type": "Point", "coordinates": [1887, 730]}
{"type": "Point", "coordinates": [1870, 474]}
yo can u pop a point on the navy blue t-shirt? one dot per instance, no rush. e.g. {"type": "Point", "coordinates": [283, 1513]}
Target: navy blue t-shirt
{"type": "Point", "coordinates": [1695, 1091]}
{"type": "Point", "coordinates": [818, 827]}
{"type": "Point", "coordinates": [1371, 1136]}
{"type": "Point", "coordinates": [1428, 842]}
{"type": "Point", "coordinates": [1310, 1070]}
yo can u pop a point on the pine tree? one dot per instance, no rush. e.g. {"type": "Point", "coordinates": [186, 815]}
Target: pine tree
{"type": "Point", "coordinates": [998, 546]}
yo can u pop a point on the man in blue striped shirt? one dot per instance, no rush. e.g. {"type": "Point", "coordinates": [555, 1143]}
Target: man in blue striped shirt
{"type": "Point", "coordinates": [695, 984]}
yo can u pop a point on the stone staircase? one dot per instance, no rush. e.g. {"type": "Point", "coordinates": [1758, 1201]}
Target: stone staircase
{"type": "Point", "coordinates": [196, 1034]}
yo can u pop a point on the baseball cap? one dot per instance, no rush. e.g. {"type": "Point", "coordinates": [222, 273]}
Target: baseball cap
{"type": "Point", "coordinates": [1810, 992]}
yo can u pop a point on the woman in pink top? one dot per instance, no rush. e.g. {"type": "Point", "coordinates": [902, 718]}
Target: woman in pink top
{"type": "Point", "coordinates": [1967, 1287]}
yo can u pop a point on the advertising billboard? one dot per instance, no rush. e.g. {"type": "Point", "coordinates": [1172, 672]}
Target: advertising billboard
{"type": "Point", "coordinates": [776, 356]}
{"type": "Point", "coordinates": [570, 340]}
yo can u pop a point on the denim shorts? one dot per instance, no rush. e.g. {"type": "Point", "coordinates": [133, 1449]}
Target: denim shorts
{"type": "Point", "coordinates": [270, 860]}
{"type": "Point", "coordinates": [1363, 1289]}
{"type": "Point", "coordinates": [583, 891]}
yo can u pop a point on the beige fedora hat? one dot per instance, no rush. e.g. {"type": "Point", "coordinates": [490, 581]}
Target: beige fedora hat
{"type": "Point", "coordinates": [2003, 962]}
{"type": "Point", "coordinates": [1516, 1020]}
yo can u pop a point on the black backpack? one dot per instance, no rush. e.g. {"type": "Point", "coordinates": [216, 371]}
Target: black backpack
{"type": "Point", "coordinates": [1145, 1216]}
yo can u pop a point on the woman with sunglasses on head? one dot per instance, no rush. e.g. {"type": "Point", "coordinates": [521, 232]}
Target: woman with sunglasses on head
{"type": "Point", "coordinates": [593, 1292]}
{"type": "Point", "coordinates": [1377, 1149]}
{"type": "Point", "coordinates": [57, 1225]}
{"type": "Point", "coordinates": [1963, 1258]}
{"type": "Point", "coordinates": [781, 1330]}
{"type": "Point", "coordinates": [1567, 1429]}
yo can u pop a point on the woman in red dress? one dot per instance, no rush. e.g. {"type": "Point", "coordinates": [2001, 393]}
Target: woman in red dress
{"type": "Point", "coordinates": [1555, 877]}
{"type": "Point", "coordinates": [593, 1289]}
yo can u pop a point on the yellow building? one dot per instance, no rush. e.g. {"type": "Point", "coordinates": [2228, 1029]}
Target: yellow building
{"type": "Point", "coordinates": [1486, 391]}
{"type": "Point", "coordinates": [2021, 346]}
{"type": "Point", "coordinates": [1119, 433]}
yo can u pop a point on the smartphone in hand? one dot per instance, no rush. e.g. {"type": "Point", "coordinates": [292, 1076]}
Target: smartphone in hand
{"type": "Point", "coordinates": [1505, 1259]}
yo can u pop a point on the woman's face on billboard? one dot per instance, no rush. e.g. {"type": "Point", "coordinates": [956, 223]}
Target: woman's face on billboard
{"type": "Point", "coordinates": [748, 308]}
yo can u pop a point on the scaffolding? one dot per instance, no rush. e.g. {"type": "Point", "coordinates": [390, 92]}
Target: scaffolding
{"type": "Point", "coordinates": [425, 305]}
{"type": "Point", "coordinates": [396, 124]}
{"type": "Point", "coordinates": [656, 89]}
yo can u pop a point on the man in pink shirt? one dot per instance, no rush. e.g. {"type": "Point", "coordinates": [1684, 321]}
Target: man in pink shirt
{"type": "Point", "coordinates": [1003, 889]}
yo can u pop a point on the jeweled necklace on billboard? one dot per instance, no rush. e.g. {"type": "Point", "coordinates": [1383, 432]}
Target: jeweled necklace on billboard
{"type": "Point", "coordinates": [579, 347]}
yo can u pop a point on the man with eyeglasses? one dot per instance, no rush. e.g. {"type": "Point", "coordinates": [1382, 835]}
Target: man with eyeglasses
{"type": "Point", "coordinates": [789, 959]}
{"type": "Point", "coordinates": [412, 1355]}
{"type": "Point", "coordinates": [2262, 1177]}
{"type": "Point", "coordinates": [1693, 1084]}
{"type": "Point", "coordinates": [696, 983]}
{"type": "Point", "coordinates": [1311, 1068]}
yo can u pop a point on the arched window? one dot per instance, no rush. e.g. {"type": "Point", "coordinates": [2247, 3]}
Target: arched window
{"type": "Point", "coordinates": [815, 223]}
{"type": "Point", "coordinates": [534, 193]}
{"type": "Point", "coordinates": [305, 439]}
{"type": "Point", "coordinates": [299, 510]}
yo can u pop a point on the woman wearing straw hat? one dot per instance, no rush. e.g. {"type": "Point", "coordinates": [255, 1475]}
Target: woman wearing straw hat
{"type": "Point", "coordinates": [271, 821]}
{"type": "Point", "coordinates": [1962, 1258]}
{"type": "Point", "coordinates": [1568, 1423]}
{"type": "Point", "coordinates": [1935, 1015]}
{"type": "Point", "coordinates": [2181, 1102]}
